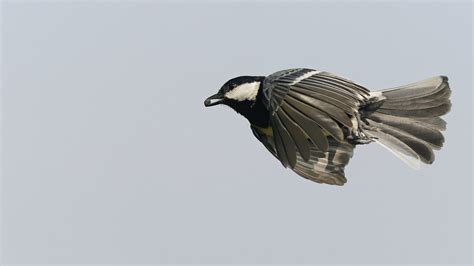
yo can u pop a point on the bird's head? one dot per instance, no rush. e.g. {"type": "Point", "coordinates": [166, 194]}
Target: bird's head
{"type": "Point", "coordinates": [240, 92]}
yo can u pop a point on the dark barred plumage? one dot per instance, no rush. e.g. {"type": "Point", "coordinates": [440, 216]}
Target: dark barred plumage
{"type": "Point", "coordinates": [311, 120]}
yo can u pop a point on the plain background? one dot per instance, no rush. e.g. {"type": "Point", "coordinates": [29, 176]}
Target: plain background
{"type": "Point", "coordinates": [109, 155]}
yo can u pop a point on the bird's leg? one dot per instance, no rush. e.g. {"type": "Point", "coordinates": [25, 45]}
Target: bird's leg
{"type": "Point", "coordinates": [358, 134]}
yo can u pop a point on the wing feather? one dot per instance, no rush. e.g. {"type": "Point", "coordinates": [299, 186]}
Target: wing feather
{"type": "Point", "coordinates": [329, 97]}
{"type": "Point", "coordinates": [297, 134]}
{"type": "Point", "coordinates": [328, 169]}
{"type": "Point", "coordinates": [313, 131]}
{"type": "Point", "coordinates": [349, 85]}
{"type": "Point", "coordinates": [309, 111]}
{"type": "Point", "coordinates": [287, 141]}
{"type": "Point", "coordinates": [335, 112]}
{"type": "Point", "coordinates": [321, 83]}
{"type": "Point", "coordinates": [280, 148]}
{"type": "Point", "coordinates": [321, 118]}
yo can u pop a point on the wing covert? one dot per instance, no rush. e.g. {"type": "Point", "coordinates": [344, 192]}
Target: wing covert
{"type": "Point", "coordinates": [310, 104]}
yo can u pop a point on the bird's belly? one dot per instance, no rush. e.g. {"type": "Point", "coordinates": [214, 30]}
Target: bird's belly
{"type": "Point", "coordinates": [267, 131]}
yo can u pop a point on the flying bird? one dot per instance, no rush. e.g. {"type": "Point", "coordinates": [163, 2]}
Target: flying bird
{"type": "Point", "coordinates": [312, 120]}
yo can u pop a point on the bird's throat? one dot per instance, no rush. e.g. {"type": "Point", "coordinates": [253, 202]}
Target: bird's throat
{"type": "Point", "coordinates": [254, 111]}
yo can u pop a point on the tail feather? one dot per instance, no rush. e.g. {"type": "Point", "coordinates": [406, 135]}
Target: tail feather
{"type": "Point", "coordinates": [417, 90]}
{"type": "Point", "coordinates": [428, 112]}
{"type": "Point", "coordinates": [427, 98]}
{"type": "Point", "coordinates": [417, 145]}
{"type": "Point", "coordinates": [444, 93]}
{"type": "Point", "coordinates": [415, 104]}
{"type": "Point", "coordinates": [406, 120]}
{"type": "Point", "coordinates": [433, 122]}
{"type": "Point", "coordinates": [397, 147]}
{"type": "Point", "coordinates": [414, 127]}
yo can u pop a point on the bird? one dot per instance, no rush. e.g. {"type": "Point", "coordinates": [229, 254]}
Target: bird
{"type": "Point", "coordinates": [311, 120]}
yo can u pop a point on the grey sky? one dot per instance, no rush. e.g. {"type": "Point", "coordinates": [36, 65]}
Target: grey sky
{"type": "Point", "coordinates": [109, 155]}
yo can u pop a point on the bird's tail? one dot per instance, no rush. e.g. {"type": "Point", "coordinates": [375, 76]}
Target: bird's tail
{"type": "Point", "coordinates": [406, 120]}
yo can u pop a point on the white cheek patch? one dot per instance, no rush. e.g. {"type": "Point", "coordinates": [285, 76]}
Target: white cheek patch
{"type": "Point", "coordinates": [246, 91]}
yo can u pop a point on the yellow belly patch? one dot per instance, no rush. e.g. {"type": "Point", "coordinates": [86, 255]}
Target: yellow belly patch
{"type": "Point", "coordinates": [265, 131]}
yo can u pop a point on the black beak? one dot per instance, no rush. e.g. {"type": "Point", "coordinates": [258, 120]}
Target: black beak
{"type": "Point", "coordinates": [214, 100]}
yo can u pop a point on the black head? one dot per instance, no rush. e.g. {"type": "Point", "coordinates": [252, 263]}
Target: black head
{"type": "Point", "coordinates": [243, 95]}
{"type": "Point", "coordinates": [239, 89]}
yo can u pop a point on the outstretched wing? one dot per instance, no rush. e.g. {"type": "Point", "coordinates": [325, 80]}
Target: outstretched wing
{"type": "Point", "coordinates": [328, 169]}
{"type": "Point", "coordinates": [321, 167]}
{"type": "Point", "coordinates": [310, 112]}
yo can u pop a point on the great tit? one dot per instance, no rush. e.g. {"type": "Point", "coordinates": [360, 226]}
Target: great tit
{"type": "Point", "coordinates": [311, 120]}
